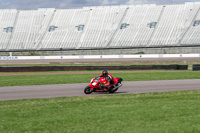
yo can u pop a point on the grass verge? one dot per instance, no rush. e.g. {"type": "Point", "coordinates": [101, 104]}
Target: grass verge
{"type": "Point", "coordinates": [167, 112]}
{"type": "Point", "coordinates": [21, 80]}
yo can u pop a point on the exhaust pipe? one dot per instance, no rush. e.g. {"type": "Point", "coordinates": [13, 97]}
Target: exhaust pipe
{"type": "Point", "coordinates": [117, 86]}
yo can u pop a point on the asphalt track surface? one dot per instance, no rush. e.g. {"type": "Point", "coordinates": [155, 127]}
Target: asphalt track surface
{"type": "Point", "coordinates": [70, 90]}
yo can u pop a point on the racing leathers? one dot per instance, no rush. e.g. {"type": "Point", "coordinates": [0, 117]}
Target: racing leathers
{"type": "Point", "coordinates": [110, 80]}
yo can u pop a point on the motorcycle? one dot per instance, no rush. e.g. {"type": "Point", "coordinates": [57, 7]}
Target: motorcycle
{"type": "Point", "coordinates": [97, 84]}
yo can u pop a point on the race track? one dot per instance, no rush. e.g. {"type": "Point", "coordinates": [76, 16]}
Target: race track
{"type": "Point", "coordinates": [69, 90]}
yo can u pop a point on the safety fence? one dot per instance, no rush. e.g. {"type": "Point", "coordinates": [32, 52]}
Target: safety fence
{"type": "Point", "coordinates": [80, 68]}
{"type": "Point", "coordinates": [100, 56]}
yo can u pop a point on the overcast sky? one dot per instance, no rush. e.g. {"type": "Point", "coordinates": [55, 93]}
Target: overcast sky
{"type": "Point", "coordinates": [35, 4]}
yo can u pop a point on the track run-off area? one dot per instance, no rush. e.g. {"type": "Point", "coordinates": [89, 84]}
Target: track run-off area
{"type": "Point", "coordinates": [69, 90]}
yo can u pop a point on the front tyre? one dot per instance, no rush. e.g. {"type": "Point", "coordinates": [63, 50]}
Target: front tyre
{"type": "Point", "coordinates": [87, 90]}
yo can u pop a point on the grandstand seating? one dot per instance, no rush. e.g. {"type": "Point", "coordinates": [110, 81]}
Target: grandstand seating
{"type": "Point", "coordinates": [171, 24]}
{"type": "Point", "coordinates": [28, 28]}
{"type": "Point", "coordinates": [138, 32]}
{"type": "Point", "coordinates": [103, 22]}
{"type": "Point", "coordinates": [192, 36]}
{"type": "Point", "coordinates": [100, 27]}
{"type": "Point", "coordinates": [7, 19]}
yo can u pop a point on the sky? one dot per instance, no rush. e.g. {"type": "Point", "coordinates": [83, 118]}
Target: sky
{"type": "Point", "coordinates": [67, 4]}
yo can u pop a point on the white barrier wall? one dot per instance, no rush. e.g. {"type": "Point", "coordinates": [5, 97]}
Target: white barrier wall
{"type": "Point", "coordinates": [100, 56]}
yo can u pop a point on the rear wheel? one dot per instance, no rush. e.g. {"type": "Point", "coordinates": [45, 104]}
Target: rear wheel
{"type": "Point", "coordinates": [87, 90]}
{"type": "Point", "coordinates": [113, 89]}
{"type": "Point", "coordinates": [120, 80]}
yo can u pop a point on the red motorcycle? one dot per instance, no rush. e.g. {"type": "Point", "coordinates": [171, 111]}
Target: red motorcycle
{"type": "Point", "coordinates": [97, 84]}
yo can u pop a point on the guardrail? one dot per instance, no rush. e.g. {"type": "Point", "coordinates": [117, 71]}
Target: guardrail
{"type": "Point", "coordinates": [80, 68]}
{"type": "Point", "coordinates": [196, 67]}
{"type": "Point", "coordinates": [100, 56]}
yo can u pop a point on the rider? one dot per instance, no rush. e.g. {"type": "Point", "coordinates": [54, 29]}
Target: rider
{"type": "Point", "coordinates": [108, 77]}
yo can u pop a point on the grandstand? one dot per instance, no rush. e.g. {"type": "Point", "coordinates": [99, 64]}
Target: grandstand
{"type": "Point", "coordinates": [102, 30]}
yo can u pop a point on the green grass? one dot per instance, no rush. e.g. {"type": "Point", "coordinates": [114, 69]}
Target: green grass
{"type": "Point", "coordinates": [169, 112]}
{"type": "Point", "coordinates": [85, 78]}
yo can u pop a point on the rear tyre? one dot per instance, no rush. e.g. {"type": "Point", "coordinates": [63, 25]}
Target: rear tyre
{"type": "Point", "coordinates": [87, 90]}
{"type": "Point", "coordinates": [120, 80]}
{"type": "Point", "coordinates": [112, 90]}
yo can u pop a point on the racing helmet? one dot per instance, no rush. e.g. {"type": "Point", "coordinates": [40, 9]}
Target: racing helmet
{"type": "Point", "coordinates": [105, 73]}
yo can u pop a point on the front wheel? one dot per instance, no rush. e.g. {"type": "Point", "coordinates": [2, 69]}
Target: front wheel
{"type": "Point", "coordinates": [87, 90]}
